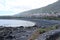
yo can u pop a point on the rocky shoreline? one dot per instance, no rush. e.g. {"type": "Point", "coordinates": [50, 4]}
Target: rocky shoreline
{"type": "Point", "coordinates": [51, 35]}
{"type": "Point", "coordinates": [16, 33]}
{"type": "Point", "coordinates": [24, 33]}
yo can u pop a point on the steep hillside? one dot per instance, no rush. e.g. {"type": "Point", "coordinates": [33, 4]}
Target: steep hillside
{"type": "Point", "coordinates": [52, 8]}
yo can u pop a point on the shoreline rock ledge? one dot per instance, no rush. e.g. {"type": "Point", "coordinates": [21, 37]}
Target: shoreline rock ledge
{"type": "Point", "coordinates": [51, 35]}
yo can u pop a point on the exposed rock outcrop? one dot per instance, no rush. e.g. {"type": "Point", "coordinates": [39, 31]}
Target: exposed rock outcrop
{"type": "Point", "coordinates": [51, 35]}
{"type": "Point", "coordinates": [15, 33]}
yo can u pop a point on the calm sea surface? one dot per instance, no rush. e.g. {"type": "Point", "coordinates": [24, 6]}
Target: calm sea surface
{"type": "Point", "coordinates": [15, 23]}
{"type": "Point", "coordinates": [27, 22]}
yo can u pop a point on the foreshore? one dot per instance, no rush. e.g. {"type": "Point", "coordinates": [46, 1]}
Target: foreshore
{"type": "Point", "coordinates": [25, 33]}
{"type": "Point", "coordinates": [16, 33]}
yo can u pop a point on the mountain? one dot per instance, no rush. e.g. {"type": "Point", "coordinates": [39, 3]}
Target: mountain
{"type": "Point", "coordinates": [50, 10]}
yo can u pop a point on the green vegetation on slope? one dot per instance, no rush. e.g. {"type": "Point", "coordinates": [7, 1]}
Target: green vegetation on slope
{"type": "Point", "coordinates": [42, 30]}
{"type": "Point", "coordinates": [51, 18]}
{"type": "Point", "coordinates": [55, 8]}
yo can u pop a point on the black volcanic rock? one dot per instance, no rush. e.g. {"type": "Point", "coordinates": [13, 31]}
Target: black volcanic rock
{"type": "Point", "coordinates": [5, 33]}
{"type": "Point", "coordinates": [15, 33]}
{"type": "Point", "coordinates": [51, 35]}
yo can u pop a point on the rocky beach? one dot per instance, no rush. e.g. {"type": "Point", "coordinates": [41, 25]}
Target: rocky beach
{"type": "Point", "coordinates": [42, 27]}
{"type": "Point", "coordinates": [16, 33]}
{"type": "Point", "coordinates": [24, 33]}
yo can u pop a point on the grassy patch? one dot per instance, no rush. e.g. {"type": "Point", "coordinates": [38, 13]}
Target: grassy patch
{"type": "Point", "coordinates": [51, 18]}
{"type": "Point", "coordinates": [42, 30]}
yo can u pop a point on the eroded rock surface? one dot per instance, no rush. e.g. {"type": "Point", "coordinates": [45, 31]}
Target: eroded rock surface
{"type": "Point", "coordinates": [51, 35]}
{"type": "Point", "coordinates": [18, 33]}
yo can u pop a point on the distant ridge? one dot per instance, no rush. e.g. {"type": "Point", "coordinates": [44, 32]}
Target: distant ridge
{"type": "Point", "coordinates": [52, 8]}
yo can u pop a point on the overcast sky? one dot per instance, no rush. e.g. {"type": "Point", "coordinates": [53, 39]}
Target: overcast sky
{"type": "Point", "coordinates": [11, 7]}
